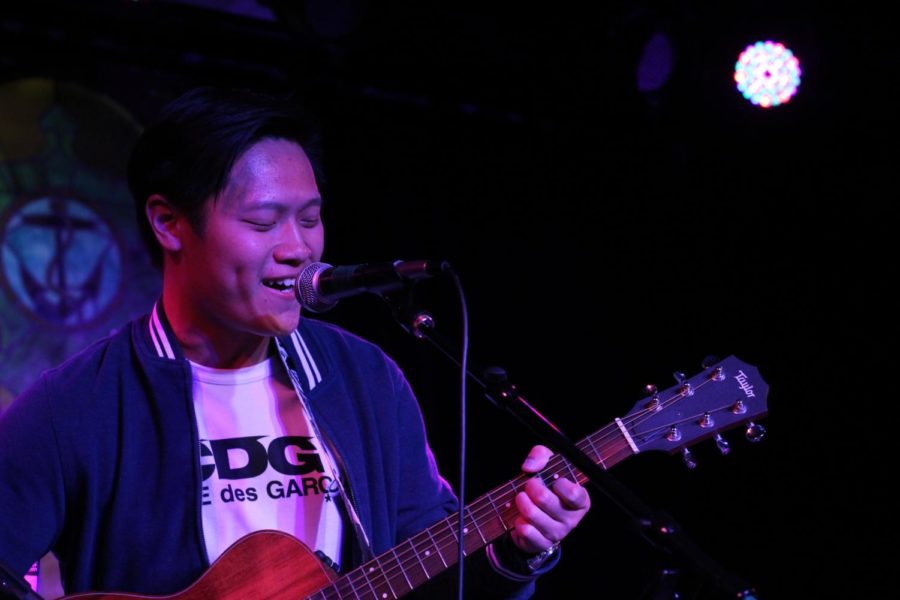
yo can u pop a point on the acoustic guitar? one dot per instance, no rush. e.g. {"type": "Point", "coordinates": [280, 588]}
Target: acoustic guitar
{"type": "Point", "coordinates": [271, 564]}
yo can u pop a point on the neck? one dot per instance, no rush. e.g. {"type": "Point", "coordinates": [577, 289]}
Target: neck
{"type": "Point", "coordinates": [207, 342]}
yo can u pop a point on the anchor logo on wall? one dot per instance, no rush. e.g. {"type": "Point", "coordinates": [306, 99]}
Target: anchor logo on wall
{"type": "Point", "coordinates": [60, 260]}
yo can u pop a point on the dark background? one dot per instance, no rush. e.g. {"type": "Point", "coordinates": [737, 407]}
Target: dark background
{"type": "Point", "coordinates": [605, 237]}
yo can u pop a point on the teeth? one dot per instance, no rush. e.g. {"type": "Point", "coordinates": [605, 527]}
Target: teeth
{"type": "Point", "coordinates": [286, 283]}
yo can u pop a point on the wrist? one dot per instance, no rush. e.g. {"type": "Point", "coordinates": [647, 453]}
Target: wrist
{"type": "Point", "coordinates": [514, 563]}
{"type": "Point", "coordinates": [530, 562]}
{"type": "Point", "coordinates": [535, 561]}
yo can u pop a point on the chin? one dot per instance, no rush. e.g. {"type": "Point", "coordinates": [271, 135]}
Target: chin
{"type": "Point", "coordinates": [286, 325]}
{"type": "Point", "coordinates": [277, 325]}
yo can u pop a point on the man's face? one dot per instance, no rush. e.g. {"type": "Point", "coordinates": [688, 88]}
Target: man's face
{"type": "Point", "coordinates": [259, 234]}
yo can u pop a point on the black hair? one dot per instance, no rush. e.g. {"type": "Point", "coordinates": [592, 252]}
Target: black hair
{"type": "Point", "coordinates": [187, 155]}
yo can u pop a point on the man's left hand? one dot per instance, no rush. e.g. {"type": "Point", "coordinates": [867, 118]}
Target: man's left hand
{"type": "Point", "coordinates": [546, 515]}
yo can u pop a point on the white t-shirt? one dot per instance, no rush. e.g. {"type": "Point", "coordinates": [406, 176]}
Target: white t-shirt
{"type": "Point", "coordinates": [262, 465]}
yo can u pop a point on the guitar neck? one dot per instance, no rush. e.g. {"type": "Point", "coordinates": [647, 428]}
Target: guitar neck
{"type": "Point", "coordinates": [430, 552]}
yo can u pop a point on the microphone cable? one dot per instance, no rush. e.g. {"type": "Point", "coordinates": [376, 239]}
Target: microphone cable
{"type": "Point", "coordinates": [464, 359]}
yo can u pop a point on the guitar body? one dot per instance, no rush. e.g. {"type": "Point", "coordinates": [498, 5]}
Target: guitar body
{"type": "Point", "coordinates": [263, 564]}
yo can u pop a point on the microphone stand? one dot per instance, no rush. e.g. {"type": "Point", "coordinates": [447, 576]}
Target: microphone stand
{"type": "Point", "coordinates": [655, 526]}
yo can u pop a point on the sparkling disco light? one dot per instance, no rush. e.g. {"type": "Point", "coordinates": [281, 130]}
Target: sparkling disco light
{"type": "Point", "coordinates": [767, 74]}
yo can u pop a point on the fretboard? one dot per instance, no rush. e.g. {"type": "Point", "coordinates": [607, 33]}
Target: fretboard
{"type": "Point", "coordinates": [430, 552]}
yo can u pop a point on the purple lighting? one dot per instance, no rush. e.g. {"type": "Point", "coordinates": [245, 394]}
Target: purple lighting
{"type": "Point", "coordinates": [655, 64]}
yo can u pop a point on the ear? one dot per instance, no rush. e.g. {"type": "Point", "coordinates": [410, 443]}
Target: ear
{"type": "Point", "coordinates": [166, 222]}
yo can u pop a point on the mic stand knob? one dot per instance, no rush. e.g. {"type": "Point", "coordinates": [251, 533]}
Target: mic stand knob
{"type": "Point", "coordinates": [420, 321]}
{"type": "Point", "coordinates": [414, 320]}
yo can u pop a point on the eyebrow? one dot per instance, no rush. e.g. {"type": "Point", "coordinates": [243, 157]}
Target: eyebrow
{"type": "Point", "coordinates": [277, 205]}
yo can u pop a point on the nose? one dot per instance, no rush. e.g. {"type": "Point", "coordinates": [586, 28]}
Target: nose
{"type": "Point", "coordinates": [292, 249]}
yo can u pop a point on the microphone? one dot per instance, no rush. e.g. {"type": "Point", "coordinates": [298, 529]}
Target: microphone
{"type": "Point", "coordinates": [319, 286]}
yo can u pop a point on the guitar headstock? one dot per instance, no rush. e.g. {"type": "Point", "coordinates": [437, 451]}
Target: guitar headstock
{"type": "Point", "coordinates": [725, 395]}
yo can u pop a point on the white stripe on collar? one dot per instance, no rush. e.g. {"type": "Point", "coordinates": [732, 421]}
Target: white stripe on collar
{"type": "Point", "coordinates": [306, 361]}
{"type": "Point", "coordinates": [309, 355]}
{"type": "Point", "coordinates": [159, 351]}
{"type": "Point", "coordinates": [157, 328]}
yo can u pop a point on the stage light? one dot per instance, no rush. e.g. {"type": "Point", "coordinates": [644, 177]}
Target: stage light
{"type": "Point", "coordinates": [767, 74]}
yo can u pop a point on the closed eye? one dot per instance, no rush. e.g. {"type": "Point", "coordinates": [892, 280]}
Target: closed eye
{"type": "Point", "coordinates": [259, 224]}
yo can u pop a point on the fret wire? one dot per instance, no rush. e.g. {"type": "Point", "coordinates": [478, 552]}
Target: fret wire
{"type": "Point", "coordinates": [577, 475]}
{"type": "Point", "coordinates": [479, 512]}
{"type": "Point", "coordinates": [477, 528]}
{"type": "Point", "coordinates": [452, 529]}
{"type": "Point", "coordinates": [514, 489]}
{"type": "Point", "coordinates": [554, 473]}
{"type": "Point", "coordinates": [591, 444]}
{"type": "Point", "coordinates": [345, 582]}
{"type": "Point", "coordinates": [436, 547]}
{"type": "Point", "coordinates": [546, 476]}
{"type": "Point", "coordinates": [354, 590]}
{"type": "Point", "coordinates": [384, 576]}
{"type": "Point", "coordinates": [487, 511]}
{"type": "Point", "coordinates": [419, 558]}
{"type": "Point", "coordinates": [612, 441]}
{"type": "Point", "coordinates": [512, 500]}
{"type": "Point", "coordinates": [402, 570]}
{"type": "Point", "coordinates": [366, 575]}
{"type": "Point", "coordinates": [612, 444]}
{"type": "Point", "coordinates": [590, 440]}
{"type": "Point", "coordinates": [499, 516]}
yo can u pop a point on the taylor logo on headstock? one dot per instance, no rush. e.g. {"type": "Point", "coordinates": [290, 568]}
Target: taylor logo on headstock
{"type": "Point", "coordinates": [745, 384]}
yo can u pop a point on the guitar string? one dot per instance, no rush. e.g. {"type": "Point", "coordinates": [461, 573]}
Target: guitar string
{"type": "Point", "coordinates": [446, 543]}
{"type": "Point", "coordinates": [555, 464]}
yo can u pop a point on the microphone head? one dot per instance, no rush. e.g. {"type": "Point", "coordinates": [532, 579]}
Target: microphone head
{"type": "Point", "coordinates": [306, 290]}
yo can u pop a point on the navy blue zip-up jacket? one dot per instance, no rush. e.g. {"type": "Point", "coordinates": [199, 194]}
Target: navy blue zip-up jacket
{"type": "Point", "coordinates": [99, 459]}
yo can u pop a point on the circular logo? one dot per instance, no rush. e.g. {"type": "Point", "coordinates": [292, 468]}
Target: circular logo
{"type": "Point", "coordinates": [60, 260]}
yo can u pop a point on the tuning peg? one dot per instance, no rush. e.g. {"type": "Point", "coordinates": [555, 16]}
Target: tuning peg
{"type": "Point", "coordinates": [755, 432]}
{"type": "Point", "coordinates": [709, 361]}
{"type": "Point", "coordinates": [688, 457]}
{"type": "Point", "coordinates": [739, 407]}
{"type": "Point", "coordinates": [674, 434]}
{"type": "Point", "coordinates": [686, 388]}
{"type": "Point", "coordinates": [717, 374]}
{"type": "Point", "coordinates": [722, 444]}
{"type": "Point", "coordinates": [652, 393]}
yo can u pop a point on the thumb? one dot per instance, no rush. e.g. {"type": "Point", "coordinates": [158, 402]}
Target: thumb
{"type": "Point", "coordinates": [537, 459]}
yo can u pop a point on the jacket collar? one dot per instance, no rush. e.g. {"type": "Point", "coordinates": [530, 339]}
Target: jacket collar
{"type": "Point", "coordinates": [164, 341]}
{"type": "Point", "coordinates": [304, 356]}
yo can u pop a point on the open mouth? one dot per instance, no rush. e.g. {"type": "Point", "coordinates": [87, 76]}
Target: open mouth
{"type": "Point", "coordinates": [281, 285]}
